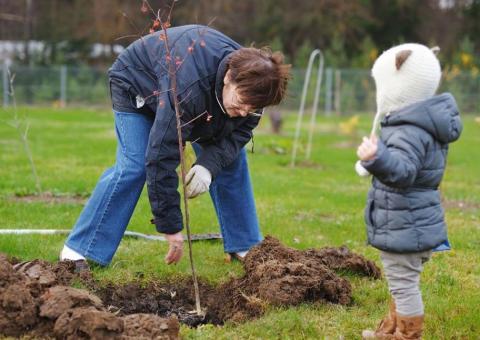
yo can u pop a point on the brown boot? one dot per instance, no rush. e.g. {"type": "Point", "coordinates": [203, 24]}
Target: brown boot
{"type": "Point", "coordinates": [409, 327]}
{"type": "Point", "coordinates": [386, 328]}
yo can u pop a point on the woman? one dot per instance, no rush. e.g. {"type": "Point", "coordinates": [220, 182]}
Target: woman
{"type": "Point", "coordinates": [222, 89]}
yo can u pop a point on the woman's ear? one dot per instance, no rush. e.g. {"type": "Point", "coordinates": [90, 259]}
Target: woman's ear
{"type": "Point", "coordinates": [227, 79]}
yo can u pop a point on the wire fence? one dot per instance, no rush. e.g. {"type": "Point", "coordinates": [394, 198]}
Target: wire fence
{"type": "Point", "coordinates": [343, 91]}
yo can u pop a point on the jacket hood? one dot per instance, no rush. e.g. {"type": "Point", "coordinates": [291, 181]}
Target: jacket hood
{"type": "Point", "coordinates": [438, 116]}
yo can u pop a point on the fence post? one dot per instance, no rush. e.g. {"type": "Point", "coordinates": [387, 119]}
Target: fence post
{"type": "Point", "coordinates": [6, 84]}
{"type": "Point", "coordinates": [63, 86]}
{"type": "Point", "coordinates": [328, 91]}
{"type": "Point", "coordinates": [338, 79]}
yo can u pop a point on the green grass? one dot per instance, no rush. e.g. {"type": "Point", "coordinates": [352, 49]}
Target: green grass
{"type": "Point", "coordinates": [310, 206]}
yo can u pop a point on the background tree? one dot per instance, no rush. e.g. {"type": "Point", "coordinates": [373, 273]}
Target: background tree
{"type": "Point", "coordinates": [68, 28]}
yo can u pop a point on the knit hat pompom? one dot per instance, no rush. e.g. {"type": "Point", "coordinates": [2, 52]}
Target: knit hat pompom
{"type": "Point", "coordinates": [405, 74]}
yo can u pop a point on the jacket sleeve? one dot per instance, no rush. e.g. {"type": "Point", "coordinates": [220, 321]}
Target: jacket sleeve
{"type": "Point", "coordinates": [162, 160]}
{"type": "Point", "coordinates": [397, 163]}
{"type": "Point", "coordinates": [217, 156]}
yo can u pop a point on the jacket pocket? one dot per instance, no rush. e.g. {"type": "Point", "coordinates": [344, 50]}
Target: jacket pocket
{"type": "Point", "coordinates": [120, 95]}
{"type": "Point", "coordinates": [368, 214]}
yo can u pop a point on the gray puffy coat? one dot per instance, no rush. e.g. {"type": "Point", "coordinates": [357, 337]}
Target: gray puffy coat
{"type": "Point", "coordinates": [404, 212]}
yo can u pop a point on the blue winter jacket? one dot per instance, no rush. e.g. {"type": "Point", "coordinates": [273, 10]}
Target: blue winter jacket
{"type": "Point", "coordinates": [200, 55]}
{"type": "Point", "coordinates": [404, 212]}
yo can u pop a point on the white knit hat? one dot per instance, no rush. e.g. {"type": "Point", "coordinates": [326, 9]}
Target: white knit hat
{"type": "Point", "coordinates": [403, 75]}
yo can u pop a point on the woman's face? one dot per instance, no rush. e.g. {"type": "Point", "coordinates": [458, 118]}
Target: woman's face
{"type": "Point", "coordinates": [232, 101]}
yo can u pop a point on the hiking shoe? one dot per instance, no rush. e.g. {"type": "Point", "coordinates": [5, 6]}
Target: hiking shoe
{"type": "Point", "coordinates": [70, 254]}
{"type": "Point", "coordinates": [238, 256]}
{"type": "Point", "coordinates": [79, 261]}
{"type": "Point", "coordinates": [81, 266]}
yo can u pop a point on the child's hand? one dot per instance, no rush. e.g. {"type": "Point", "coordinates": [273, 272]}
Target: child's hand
{"type": "Point", "coordinates": [367, 150]}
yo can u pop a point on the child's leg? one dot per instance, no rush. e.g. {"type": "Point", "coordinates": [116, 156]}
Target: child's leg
{"type": "Point", "coordinates": [405, 316]}
{"type": "Point", "coordinates": [403, 275]}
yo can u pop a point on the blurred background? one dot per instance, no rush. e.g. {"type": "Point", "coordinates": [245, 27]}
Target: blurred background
{"type": "Point", "coordinates": [59, 50]}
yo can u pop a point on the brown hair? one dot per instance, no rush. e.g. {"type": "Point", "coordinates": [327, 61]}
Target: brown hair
{"type": "Point", "coordinates": [261, 76]}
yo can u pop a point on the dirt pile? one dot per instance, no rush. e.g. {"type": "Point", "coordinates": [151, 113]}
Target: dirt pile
{"type": "Point", "coordinates": [17, 299]}
{"type": "Point", "coordinates": [274, 275]}
{"type": "Point", "coordinates": [278, 275]}
{"type": "Point", "coordinates": [37, 299]}
{"type": "Point", "coordinates": [36, 303]}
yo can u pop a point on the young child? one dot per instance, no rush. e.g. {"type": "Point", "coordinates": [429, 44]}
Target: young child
{"type": "Point", "coordinates": [404, 216]}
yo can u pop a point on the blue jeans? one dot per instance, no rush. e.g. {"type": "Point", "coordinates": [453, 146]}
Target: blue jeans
{"type": "Point", "coordinates": [103, 221]}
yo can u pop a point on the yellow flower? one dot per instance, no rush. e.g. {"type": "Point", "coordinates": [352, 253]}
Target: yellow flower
{"type": "Point", "coordinates": [466, 59]}
{"type": "Point", "coordinates": [455, 70]}
{"type": "Point", "coordinates": [452, 73]}
{"type": "Point", "coordinates": [350, 126]}
{"type": "Point", "coordinates": [373, 54]}
{"type": "Point", "coordinates": [474, 71]}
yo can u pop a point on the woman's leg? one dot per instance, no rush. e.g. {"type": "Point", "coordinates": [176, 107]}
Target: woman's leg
{"type": "Point", "coordinates": [232, 195]}
{"type": "Point", "coordinates": [102, 223]}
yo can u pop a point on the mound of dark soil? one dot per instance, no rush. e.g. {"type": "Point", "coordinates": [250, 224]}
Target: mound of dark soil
{"type": "Point", "coordinates": [35, 302]}
{"type": "Point", "coordinates": [37, 299]}
{"type": "Point", "coordinates": [278, 275]}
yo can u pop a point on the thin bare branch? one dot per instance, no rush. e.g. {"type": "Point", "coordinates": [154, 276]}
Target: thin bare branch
{"type": "Point", "coordinates": [186, 97]}
{"type": "Point", "coordinates": [149, 6]}
{"type": "Point", "coordinates": [196, 140]}
{"type": "Point", "coordinates": [22, 134]}
{"type": "Point", "coordinates": [194, 119]}
{"type": "Point", "coordinates": [130, 22]}
{"type": "Point", "coordinates": [164, 68]}
{"type": "Point", "coordinates": [27, 127]}
{"type": "Point", "coordinates": [128, 36]}
{"type": "Point", "coordinates": [211, 21]}
{"type": "Point", "coordinates": [169, 17]}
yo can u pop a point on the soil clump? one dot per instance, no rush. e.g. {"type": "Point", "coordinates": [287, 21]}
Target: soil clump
{"type": "Point", "coordinates": [37, 302]}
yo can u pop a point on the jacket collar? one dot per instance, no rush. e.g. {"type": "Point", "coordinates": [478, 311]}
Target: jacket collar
{"type": "Point", "coordinates": [221, 71]}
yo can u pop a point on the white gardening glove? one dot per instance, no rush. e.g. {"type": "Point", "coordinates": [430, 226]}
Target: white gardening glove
{"type": "Point", "coordinates": [198, 181]}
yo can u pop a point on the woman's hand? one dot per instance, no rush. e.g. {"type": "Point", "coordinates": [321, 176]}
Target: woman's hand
{"type": "Point", "coordinates": [175, 249]}
{"type": "Point", "coordinates": [198, 181]}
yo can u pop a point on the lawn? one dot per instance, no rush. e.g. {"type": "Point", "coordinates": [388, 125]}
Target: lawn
{"type": "Point", "coordinates": [319, 203]}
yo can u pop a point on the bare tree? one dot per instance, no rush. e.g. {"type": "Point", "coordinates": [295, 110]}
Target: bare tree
{"type": "Point", "coordinates": [21, 124]}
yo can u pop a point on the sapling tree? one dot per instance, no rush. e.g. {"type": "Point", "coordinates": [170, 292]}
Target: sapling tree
{"type": "Point", "coordinates": [172, 63]}
{"type": "Point", "coordinates": [21, 124]}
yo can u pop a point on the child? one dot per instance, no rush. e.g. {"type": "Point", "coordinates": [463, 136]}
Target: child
{"type": "Point", "coordinates": [404, 216]}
